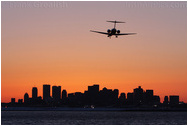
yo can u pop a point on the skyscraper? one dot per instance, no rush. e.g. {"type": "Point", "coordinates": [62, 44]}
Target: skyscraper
{"type": "Point", "coordinates": [122, 98]}
{"type": "Point", "coordinates": [149, 97]}
{"type": "Point", "coordinates": [93, 89]}
{"type": "Point", "coordinates": [34, 93]}
{"type": "Point", "coordinates": [46, 92]}
{"type": "Point", "coordinates": [64, 95]}
{"type": "Point", "coordinates": [92, 95]}
{"type": "Point", "coordinates": [56, 93]}
{"type": "Point", "coordinates": [138, 96]}
{"type": "Point", "coordinates": [26, 98]}
{"type": "Point", "coordinates": [116, 93]}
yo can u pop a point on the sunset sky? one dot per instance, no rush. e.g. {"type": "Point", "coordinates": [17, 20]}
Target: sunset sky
{"type": "Point", "coordinates": [51, 43]}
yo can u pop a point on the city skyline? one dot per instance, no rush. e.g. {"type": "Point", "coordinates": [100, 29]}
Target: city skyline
{"type": "Point", "coordinates": [51, 42]}
{"type": "Point", "coordinates": [55, 94]}
{"type": "Point", "coordinates": [50, 94]}
{"type": "Point", "coordinates": [94, 100]}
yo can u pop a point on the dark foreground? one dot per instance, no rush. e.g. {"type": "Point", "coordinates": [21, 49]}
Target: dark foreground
{"type": "Point", "coordinates": [92, 118]}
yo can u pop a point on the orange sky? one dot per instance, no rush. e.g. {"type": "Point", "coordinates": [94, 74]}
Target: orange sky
{"type": "Point", "coordinates": [43, 44]}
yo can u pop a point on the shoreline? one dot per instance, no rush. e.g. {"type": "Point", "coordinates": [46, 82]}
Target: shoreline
{"type": "Point", "coordinates": [93, 109]}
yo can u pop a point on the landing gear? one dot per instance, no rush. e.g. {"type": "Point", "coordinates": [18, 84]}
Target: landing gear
{"type": "Point", "coordinates": [109, 36]}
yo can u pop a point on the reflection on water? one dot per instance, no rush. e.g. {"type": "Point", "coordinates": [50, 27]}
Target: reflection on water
{"type": "Point", "coordinates": [91, 118]}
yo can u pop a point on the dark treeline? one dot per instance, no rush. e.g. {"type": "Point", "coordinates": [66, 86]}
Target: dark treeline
{"type": "Point", "coordinates": [94, 97]}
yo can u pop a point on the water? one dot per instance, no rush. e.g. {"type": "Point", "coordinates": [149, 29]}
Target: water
{"type": "Point", "coordinates": [92, 118]}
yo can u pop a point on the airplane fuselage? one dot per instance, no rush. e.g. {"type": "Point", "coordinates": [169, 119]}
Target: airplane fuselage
{"type": "Point", "coordinates": [113, 32]}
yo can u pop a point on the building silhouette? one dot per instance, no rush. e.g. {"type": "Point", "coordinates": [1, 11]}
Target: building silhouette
{"type": "Point", "coordinates": [122, 99]}
{"type": "Point", "coordinates": [64, 96]}
{"type": "Point", "coordinates": [115, 96]}
{"type": "Point", "coordinates": [56, 93]}
{"type": "Point", "coordinates": [79, 99]}
{"type": "Point", "coordinates": [13, 100]}
{"type": "Point", "coordinates": [130, 98]}
{"type": "Point", "coordinates": [20, 101]}
{"type": "Point", "coordinates": [138, 96]}
{"type": "Point", "coordinates": [26, 98]}
{"type": "Point", "coordinates": [34, 93]}
{"type": "Point", "coordinates": [156, 100]}
{"type": "Point", "coordinates": [46, 93]}
{"type": "Point", "coordinates": [174, 100]}
{"type": "Point", "coordinates": [71, 99]}
{"type": "Point", "coordinates": [92, 94]}
{"type": "Point", "coordinates": [148, 97]}
{"type": "Point", "coordinates": [108, 97]}
{"type": "Point", "coordinates": [165, 100]}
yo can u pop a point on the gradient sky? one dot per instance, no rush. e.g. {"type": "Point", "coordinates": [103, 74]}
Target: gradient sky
{"type": "Point", "coordinates": [50, 43]}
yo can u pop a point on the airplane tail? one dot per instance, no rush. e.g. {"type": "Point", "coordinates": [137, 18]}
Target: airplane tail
{"type": "Point", "coordinates": [115, 21]}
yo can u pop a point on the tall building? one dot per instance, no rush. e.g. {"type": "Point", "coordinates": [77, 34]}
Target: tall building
{"type": "Point", "coordinates": [149, 97]}
{"type": "Point", "coordinates": [93, 89]}
{"type": "Point", "coordinates": [138, 96]}
{"type": "Point", "coordinates": [56, 93]}
{"type": "Point", "coordinates": [122, 98]}
{"type": "Point", "coordinates": [116, 93]}
{"type": "Point", "coordinates": [34, 93]}
{"type": "Point", "coordinates": [92, 94]}
{"type": "Point", "coordinates": [46, 92]}
{"type": "Point", "coordinates": [26, 98]}
{"type": "Point", "coordinates": [64, 95]}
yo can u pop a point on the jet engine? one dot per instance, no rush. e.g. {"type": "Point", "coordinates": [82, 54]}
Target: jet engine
{"type": "Point", "coordinates": [118, 31]}
{"type": "Point", "coordinates": [108, 30]}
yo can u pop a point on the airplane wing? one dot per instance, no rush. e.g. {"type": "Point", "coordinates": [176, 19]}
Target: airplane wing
{"type": "Point", "coordinates": [99, 32]}
{"type": "Point", "coordinates": [126, 34]}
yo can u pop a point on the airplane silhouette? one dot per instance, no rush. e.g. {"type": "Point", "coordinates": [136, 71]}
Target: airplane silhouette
{"type": "Point", "coordinates": [113, 31]}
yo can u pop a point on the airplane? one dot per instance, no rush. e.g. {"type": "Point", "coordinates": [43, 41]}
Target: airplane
{"type": "Point", "coordinates": [113, 31]}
